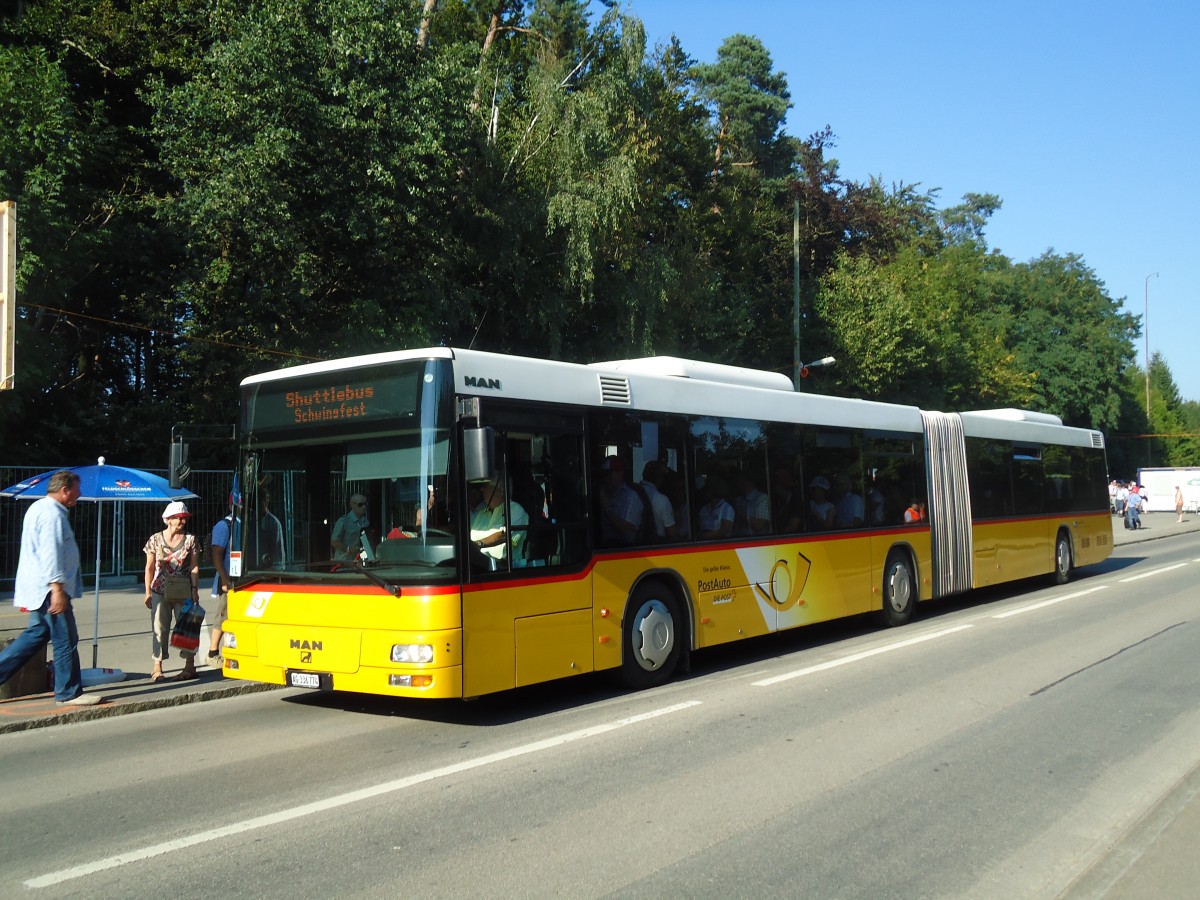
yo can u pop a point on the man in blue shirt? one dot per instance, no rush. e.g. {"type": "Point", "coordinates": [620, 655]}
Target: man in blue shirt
{"type": "Point", "coordinates": [346, 537]}
{"type": "Point", "coordinates": [48, 578]}
{"type": "Point", "coordinates": [225, 535]}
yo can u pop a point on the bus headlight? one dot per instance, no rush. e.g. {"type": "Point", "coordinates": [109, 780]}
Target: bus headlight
{"type": "Point", "coordinates": [229, 640]}
{"type": "Point", "coordinates": [412, 653]}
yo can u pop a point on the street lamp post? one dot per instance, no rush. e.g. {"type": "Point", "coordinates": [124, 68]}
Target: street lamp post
{"type": "Point", "coordinates": [796, 296]}
{"type": "Point", "coordinates": [815, 364]}
{"type": "Point", "coordinates": [1146, 333]}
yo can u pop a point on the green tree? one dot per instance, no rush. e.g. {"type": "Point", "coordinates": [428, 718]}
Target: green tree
{"type": "Point", "coordinates": [1073, 337]}
{"type": "Point", "coordinates": [94, 339]}
{"type": "Point", "coordinates": [966, 221]}
{"type": "Point", "coordinates": [317, 153]}
{"type": "Point", "coordinates": [1176, 442]}
{"type": "Point", "coordinates": [748, 100]}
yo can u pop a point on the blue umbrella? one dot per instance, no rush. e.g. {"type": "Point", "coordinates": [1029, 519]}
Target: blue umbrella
{"type": "Point", "coordinates": [103, 482]}
{"type": "Point", "coordinates": [99, 483]}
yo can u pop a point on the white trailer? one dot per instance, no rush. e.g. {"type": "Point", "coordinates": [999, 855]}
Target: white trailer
{"type": "Point", "coordinates": [1160, 486]}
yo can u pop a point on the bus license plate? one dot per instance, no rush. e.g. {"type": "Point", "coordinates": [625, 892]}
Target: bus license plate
{"type": "Point", "coordinates": [304, 680]}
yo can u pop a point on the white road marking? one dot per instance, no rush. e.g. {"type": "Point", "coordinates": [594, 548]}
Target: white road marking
{"type": "Point", "coordinates": [855, 657]}
{"type": "Point", "coordinates": [369, 793]}
{"type": "Point", "coordinates": [1031, 607]}
{"type": "Point", "coordinates": [1153, 572]}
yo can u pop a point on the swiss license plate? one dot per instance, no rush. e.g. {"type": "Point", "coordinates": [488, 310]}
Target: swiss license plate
{"type": "Point", "coordinates": [304, 680]}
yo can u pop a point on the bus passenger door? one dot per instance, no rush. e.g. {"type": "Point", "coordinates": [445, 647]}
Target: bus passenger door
{"type": "Point", "coordinates": [527, 609]}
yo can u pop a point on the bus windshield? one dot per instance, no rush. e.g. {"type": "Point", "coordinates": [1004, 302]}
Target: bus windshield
{"type": "Point", "coordinates": [348, 473]}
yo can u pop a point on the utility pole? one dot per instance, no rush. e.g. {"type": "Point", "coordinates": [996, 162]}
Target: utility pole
{"type": "Point", "coordinates": [1146, 334]}
{"type": "Point", "coordinates": [796, 295]}
{"type": "Point", "coordinates": [8, 293]}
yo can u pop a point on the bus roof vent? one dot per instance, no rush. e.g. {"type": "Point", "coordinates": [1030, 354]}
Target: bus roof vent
{"type": "Point", "coordinates": [614, 389]}
{"type": "Point", "coordinates": [700, 371]}
{"type": "Point", "coordinates": [1097, 440]}
{"type": "Point", "coordinates": [1016, 415]}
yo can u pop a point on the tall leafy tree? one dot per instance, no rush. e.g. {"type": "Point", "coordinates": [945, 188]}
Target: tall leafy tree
{"type": "Point", "coordinates": [749, 101]}
{"type": "Point", "coordinates": [76, 162]}
{"type": "Point", "coordinates": [318, 153]}
{"type": "Point", "coordinates": [1073, 337]}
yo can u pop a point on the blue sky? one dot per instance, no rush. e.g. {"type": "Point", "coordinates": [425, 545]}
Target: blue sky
{"type": "Point", "coordinates": [1084, 117]}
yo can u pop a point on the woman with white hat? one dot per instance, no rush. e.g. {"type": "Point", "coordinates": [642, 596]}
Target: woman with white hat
{"type": "Point", "coordinates": [172, 578]}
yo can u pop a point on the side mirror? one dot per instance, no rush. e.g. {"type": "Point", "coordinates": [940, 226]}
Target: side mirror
{"type": "Point", "coordinates": [479, 453]}
{"type": "Point", "coordinates": [177, 466]}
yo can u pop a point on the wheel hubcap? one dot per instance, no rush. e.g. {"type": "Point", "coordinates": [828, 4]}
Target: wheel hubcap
{"type": "Point", "coordinates": [900, 593]}
{"type": "Point", "coordinates": [653, 635]}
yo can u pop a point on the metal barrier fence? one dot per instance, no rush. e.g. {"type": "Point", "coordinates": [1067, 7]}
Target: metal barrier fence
{"type": "Point", "coordinates": [127, 524]}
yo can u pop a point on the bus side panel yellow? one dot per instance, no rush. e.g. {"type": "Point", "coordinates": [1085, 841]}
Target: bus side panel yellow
{"type": "Point", "coordinates": [728, 615]}
{"type": "Point", "coordinates": [1025, 549]}
{"type": "Point", "coordinates": [489, 616]}
{"type": "Point", "coordinates": [803, 582]}
{"type": "Point", "coordinates": [553, 646]}
{"type": "Point", "coordinates": [1012, 549]}
{"type": "Point", "coordinates": [985, 561]}
{"type": "Point", "coordinates": [1093, 539]}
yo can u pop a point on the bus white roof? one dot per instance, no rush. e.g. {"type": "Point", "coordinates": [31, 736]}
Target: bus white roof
{"type": "Point", "coordinates": [700, 371]}
{"type": "Point", "coordinates": [672, 385]}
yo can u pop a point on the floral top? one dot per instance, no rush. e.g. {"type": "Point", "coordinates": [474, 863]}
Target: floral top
{"type": "Point", "coordinates": [168, 561]}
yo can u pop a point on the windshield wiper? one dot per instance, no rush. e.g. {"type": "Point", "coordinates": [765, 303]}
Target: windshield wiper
{"type": "Point", "coordinates": [393, 589]}
{"type": "Point", "coordinates": [354, 565]}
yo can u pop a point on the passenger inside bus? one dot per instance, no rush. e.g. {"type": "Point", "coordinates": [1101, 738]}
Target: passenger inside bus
{"type": "Point", "coordinates": [753, 508]}
{"type": "Point", "coordinates": [492, 520]}
{"type": "Point", "coordinates": [820, 509]}
{"type": "Point", "coordinates": [715, 517]}
{"type": "Point", "coordinates": [620, 506]}
{"type": "Point", "coordinates": [848, 505]}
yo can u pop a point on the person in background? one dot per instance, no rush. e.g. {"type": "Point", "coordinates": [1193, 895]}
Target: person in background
{"type": "Point", "coordinates": [620, 506]}
{"type": "Point", "coordinates": [848, 505]}
{"type": "Point", "coordinates": [172, 564]}
{"type": "Point", "coordinates": [347, 531]}
{"type": "Point", "coordinates": [820, 508]}
{"type": "Point", "coordinates": [1179, 502]}
{"type": "Point", "coordinates": [267, 550]}
{"type": "Point", "coordinates": [220, 552]}
{"type": "Point", "coordinates": [48, 578]}
{"type": "Point", "coordinates": [788, 504]}
{"type": "Point", "coordinates": [1133, 507]}
{"type": "Point", "coordinates": [653, 477]}
{"type": "Point", "coordinates": [752, 514]}
{"type": "Point", "coordinates": [715, 518]}
{"type": "Point", "coordinates": [915, 512]}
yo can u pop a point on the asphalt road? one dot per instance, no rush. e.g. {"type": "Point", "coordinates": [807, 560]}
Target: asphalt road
{"type": "Point", "coordinates": [1028, 742]}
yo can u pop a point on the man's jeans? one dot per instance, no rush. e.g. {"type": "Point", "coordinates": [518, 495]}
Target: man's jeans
{"type": "Point", "coordinates": [45, 629]}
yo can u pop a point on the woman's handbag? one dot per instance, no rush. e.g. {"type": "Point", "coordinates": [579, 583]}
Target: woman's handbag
{"type": "Point", "coordinates": [186, 634]}
{"type": "Point", "coordinates": [177, 588]}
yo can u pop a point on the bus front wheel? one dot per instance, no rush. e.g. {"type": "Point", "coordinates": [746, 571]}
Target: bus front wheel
{"type": "Point", "coordinates": [651, 637]}
{"type": "Point", "coordinates": [899, 589]}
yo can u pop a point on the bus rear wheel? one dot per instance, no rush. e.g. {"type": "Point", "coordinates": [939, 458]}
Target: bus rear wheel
{"type": "Point", "coordinates": [899, 589]}
{"type": "Point", "coordinates": [651, 637]}
{"type": "Point", "coordinates": [1063, 563]}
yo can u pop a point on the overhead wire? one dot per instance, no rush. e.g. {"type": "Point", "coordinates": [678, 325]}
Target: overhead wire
{"type": "Point", "coordinates": [204, 340]}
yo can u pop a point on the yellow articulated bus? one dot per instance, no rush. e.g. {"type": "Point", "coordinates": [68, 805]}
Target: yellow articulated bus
{"type": "Point", "coordinates": [449, 523]}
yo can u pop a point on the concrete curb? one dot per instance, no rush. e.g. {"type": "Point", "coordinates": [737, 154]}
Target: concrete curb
{"type": "Point", "coordinates": [60, 716]}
